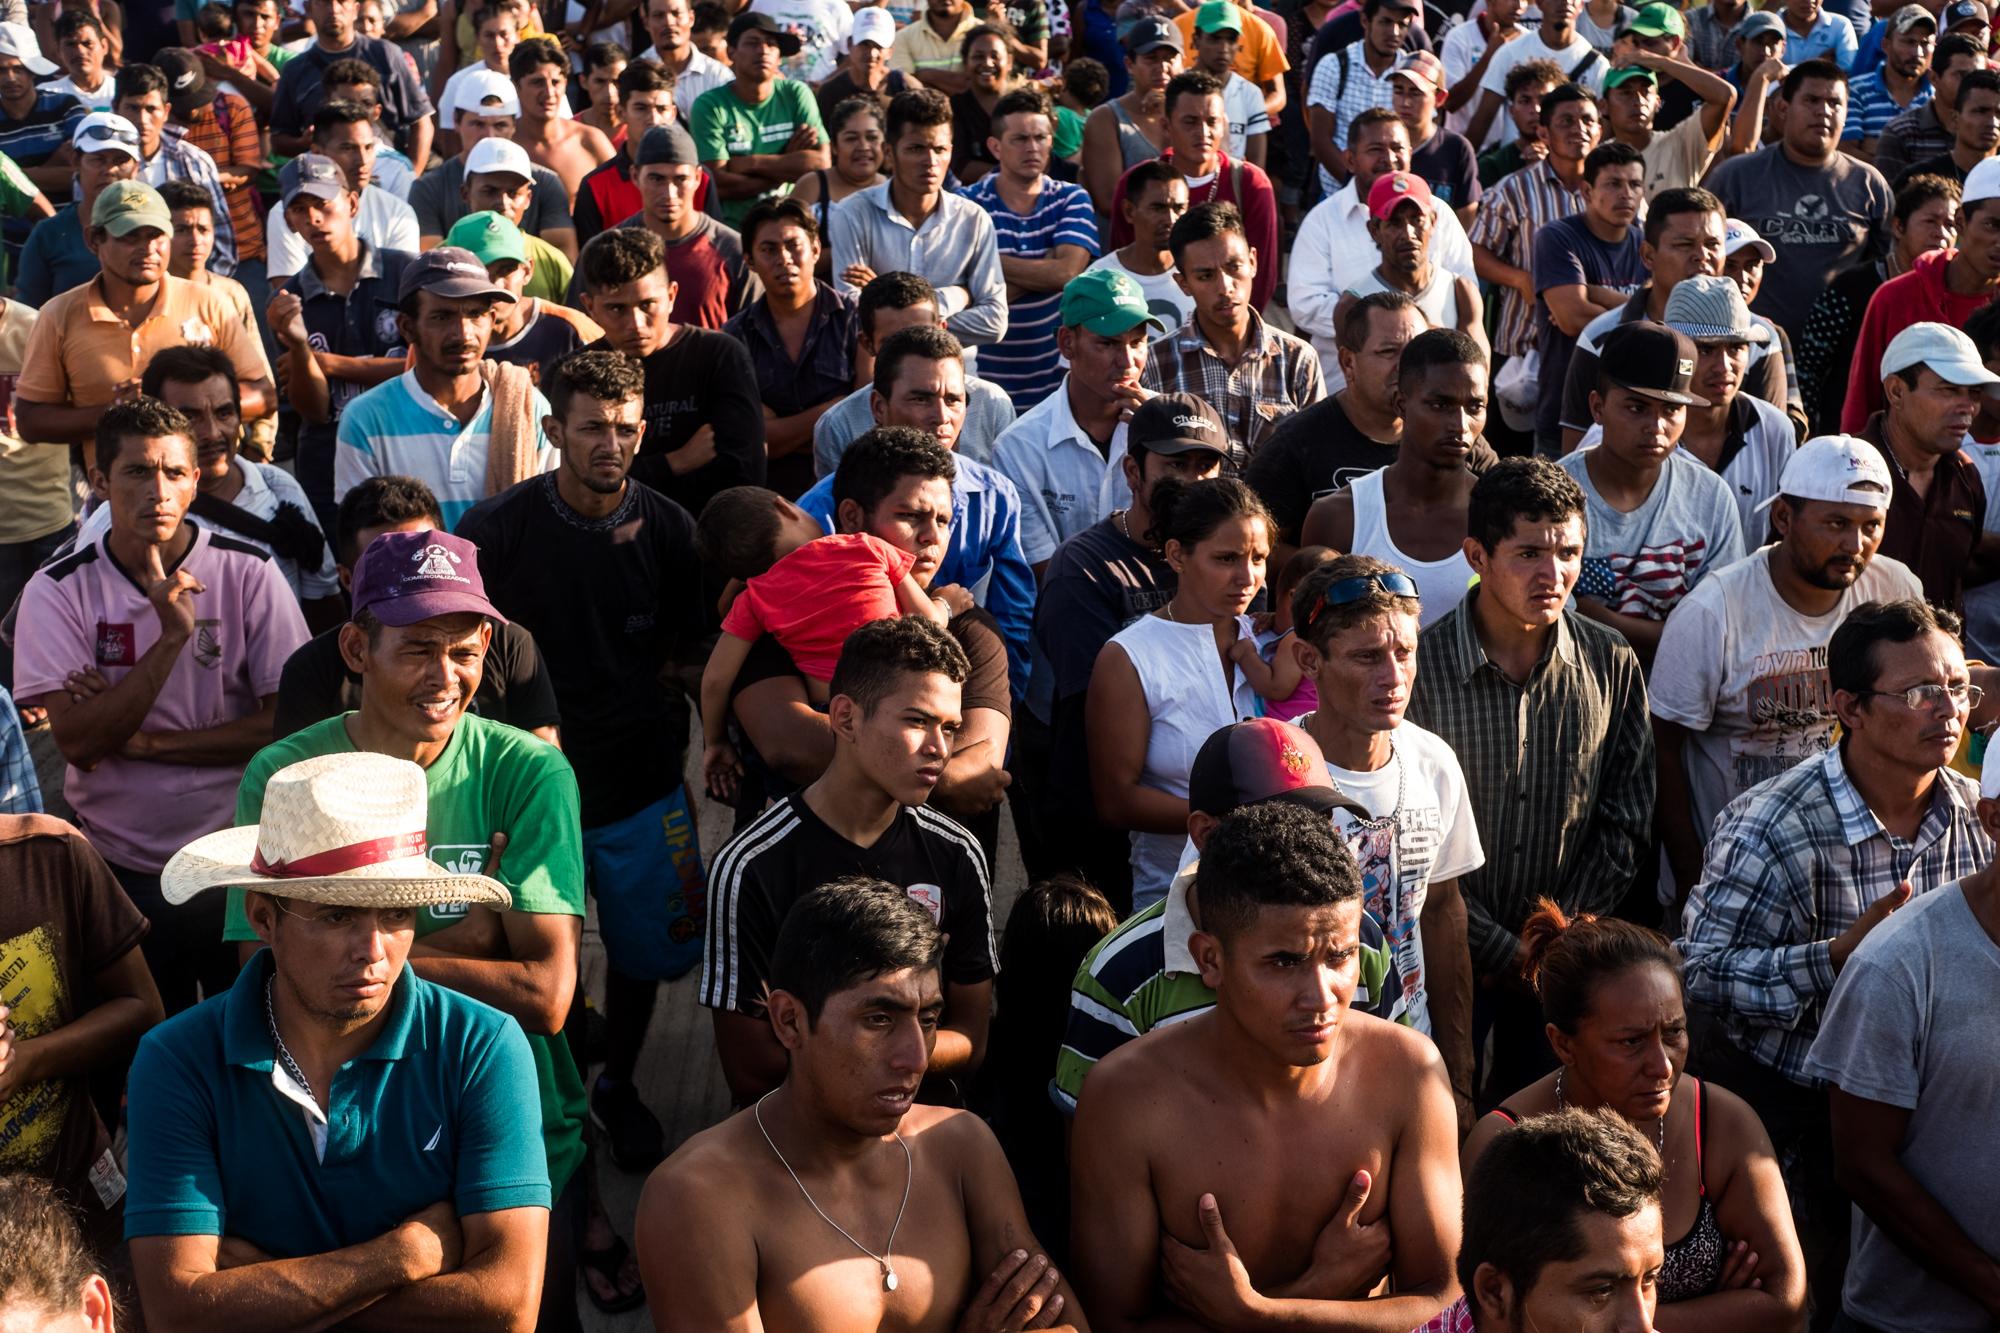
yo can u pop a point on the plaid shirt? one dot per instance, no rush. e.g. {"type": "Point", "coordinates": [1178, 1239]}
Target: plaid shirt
{"type": "Point", "coordinates": [1559, 769]}
{"type": "Point", "coordinates": [1278, 375]}
{"type": "Point", "coordinates": [1360, 90]}
{"type": "Point", "coordinates": [179, 160]}
{"type": "Point", "coordinates": [237, 145]}
{"type": "Point", "coordinates": [1709, 44]}
{"type": "Point", "coordinates": [20, 789]}
{"type": "Point", "coordinates": [1794, 862]}
{"type": "Point", "coordinates": [1510, 214]}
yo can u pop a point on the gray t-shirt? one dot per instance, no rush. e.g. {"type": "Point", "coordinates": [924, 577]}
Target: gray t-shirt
{"type": "Point", "coordinates": [1644, 562]}
{"type": "Point", "coordinates": [1910, 1024]}
{"type": "Point", "coordinates": [436, 200]}
{"type": "Point", "coordinates": [1819, 220]}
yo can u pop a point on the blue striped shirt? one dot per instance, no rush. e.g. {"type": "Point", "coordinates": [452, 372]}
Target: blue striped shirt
{"type": "Point", "coordinates": [1873, 107]}
{"type": "Point", "coordinates": [1025, 361]}
{"type": "Point", "coordinates": [398, 429]}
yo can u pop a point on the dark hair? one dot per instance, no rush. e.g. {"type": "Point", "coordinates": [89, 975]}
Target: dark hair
{"type": "Point", "coordinates": [926, 342]}
{"type": "Point", "coordinates": [1303, 562]}
{"type": "Point", "coordinates": [1557, 97]}
{"type": "Point", "coordinates": [1953, 44]}
{"type": "Point", "coordinates": [1810, 69]}
{"type": "Point", "coordinates": [1437, 347]}
{"type": "Point", "coordinates": [1189, 512]}
{"type": "Point", "coordinates": [1920, 190]}
{"type": "Point", "coordinates": [138, 80]}
{"type": "Point", "coordinates": [335, 112]}
{"type": "Point", "coordinates": [608, 377]}
{"type": "Point", "coordinates": [178, 194]}
{"type": "Point", "coordinates": [1852, 662]}
{"type": "Point", "coordinates": [1527, 1192]}
{"type": "Point", "coordinates": [214, 22]}
{"type": "Point", "coordinates": [709, 16]}
{"type": "Point", "coordinates": [846, 932]}
{"type": "Point", "coordinates": [1353, 330]}
{"type": "Point", "coordinates": [772, 212]}
{"type": "Point", "coordinates": [880, 653]}
{"type": "Point", "coordinates": [983, 30]}
{"type": "Point", "coordinates": [872, 466]}
{"type": "Point", "coordinates": [1672, 203]}
{"type": "Point", "coordinates": [380, 502]}
{"type": "Point", "coordinates": [1271, 854]}
{"type": "Point", "coordinates": [1052, 927]}
{"type": "Point", "coordinates": [1613, 154]}
{"type": "Point", "coordinates": [600, 54]}
{"type": "Point", "coordinates": [1518, 488]}
{"type": "Point", "coordinates": [1375, 115]}
{"type": "Point", "coordinates": [919, 108]}
{"type": "Point", "coordinates": [1204, 222]}
{"type": "Point", "coordinates": [1375, 602]}
{"type": "Point", "coordinates": [1531, 72]}
{"type": "Point", "coordinates": [847, 108]}
{"type": "Point", "coordinates": [493, 9]}
{"type": "Point", "coordinates": [1191, 83]}
{"type": "Point", "coordinates": [141, 418]}
{"type": "Point", "coordinates": [47, 1259]}
{"type": "Point", "coordinates": [1986, 80]}
{"type": "Point", "coordinates": [1020, 102]}
{"type": "Point", "coordinates": [346, 72]}
{"type": "Point", "coordinates": [1566, 957]}
{"type": "Point", "coordinates": [894, 291]}
{"type": "Point", "coordinates": [1154, 170]}
{"type": "Point", "coordinates": [532, 54]}
{"type": "Point", "coordinates": [644, 76]}
{"type": "Point", "coordinates": [1984, 330]}
{"type": "Point", "coordinates": [1087, 80]}
{"type": "Point", "coordinates": [619, 255]}
{"type": "Point", "coordinates": [74, 21]}
{"type": "Point", "coordinates": [186, 363]}
{"type": "Point", "coordinates": [737, 532]}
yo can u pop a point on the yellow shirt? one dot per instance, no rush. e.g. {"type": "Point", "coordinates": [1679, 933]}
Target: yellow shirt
{"type": "Point", "coordinates": [918, 47]}
{"type": "Point", "coordinates": [80, 352]}
{"type": "Point", "coordinates": [1259, 56]}
{"type": "Point", "coordinates": [33, 477]}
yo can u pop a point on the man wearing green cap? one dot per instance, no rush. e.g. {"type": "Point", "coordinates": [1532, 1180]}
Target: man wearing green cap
{"type": "Point", "coordinates": [535, 331]}
{"type": "Point", "coordinates": [1901, 81]}
{"type": "Point", "coordinates": [1218, 37]}
{"type": "Point", "coordinates": [1675, 158]}
{"type": "Point", "coordinates": [95, 340]}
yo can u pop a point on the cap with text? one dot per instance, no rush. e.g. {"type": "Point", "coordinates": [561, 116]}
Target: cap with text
{"type": "Point", "coordinates": [1106, 302]}
{"type": "Point", "coordinates": [1837, 468]}
{"type": "Point", "coordinates": [1176, 423]}
{"type": "Point", "coordinates": [1942, 348]}
{"type": "Point", "coordinates": [405, 577]}
{"type": "Point", "coordinates": [1737, 234]}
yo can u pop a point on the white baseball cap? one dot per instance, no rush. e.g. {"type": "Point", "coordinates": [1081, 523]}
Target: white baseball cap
{"type": "Point", "coordinates": [1982, 182]}
{"type": "Point", "coordinates": [1941, 347]}
{"type": "Point", "coordinates": [102, 132]}
{"type": "Point", "coordinates": [478, 85]}
{"type": "Point", "coordinates": [18, 40]}
{"type": "Point", "coordinates": [876, 25]}
{"type": "Point", "coordinates": [1835, 468]}
{"type": "Point", "coordinates": [1736, 235]}
{"type": "Point", "coordinates": [498, 154]}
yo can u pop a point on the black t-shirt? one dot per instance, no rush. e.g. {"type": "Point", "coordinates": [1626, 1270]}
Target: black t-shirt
{"type": "Point", "coordinates": [547, 340]}
{"type": "Point", "coordinates": [1942, 165]}
{"type": "Point", "coordinates": [971, 126]}
{"type": "Point", "coordinates": [611, 601]}
{"type": "Point", "coordinates": [841, 86]}
{"type": "Point", "coordinates": [787, 852]}
{"type": "Point", "coordinates": [701, 378]}
{"type": "Point", "coordinates": [1313, 452]}
{"type": "Point", "coordinates": [1449, 166]}
{"type": "Point", "coordinates": [515, 687]}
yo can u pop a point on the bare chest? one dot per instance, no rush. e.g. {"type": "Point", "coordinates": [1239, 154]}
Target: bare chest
{"type": "Point", "coordinates": [810, 1277]}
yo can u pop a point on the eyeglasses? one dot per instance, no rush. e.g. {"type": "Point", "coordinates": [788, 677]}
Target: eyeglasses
{"type": "Point", "coordinates": [1964, 697]}
{"type": "Point", "coordinates": [109, 134]}
{"type": "Point", "coordinates": [1343, 592]}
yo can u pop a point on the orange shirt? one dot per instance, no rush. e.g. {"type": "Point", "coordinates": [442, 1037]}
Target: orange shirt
{"type": "Point", "coordinates": [80, 352]}
{"type": "Point", "coordinates": [1259, 56]}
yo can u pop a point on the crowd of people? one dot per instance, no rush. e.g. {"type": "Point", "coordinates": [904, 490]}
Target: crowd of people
{"type": "Point", "coordinates": [1344, 645]}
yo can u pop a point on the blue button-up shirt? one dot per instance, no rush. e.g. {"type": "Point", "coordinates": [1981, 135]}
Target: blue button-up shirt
{"type": "Point", "coordinates": [1831, 36]}
{"type": "Point", "coordinates": [983, 546]}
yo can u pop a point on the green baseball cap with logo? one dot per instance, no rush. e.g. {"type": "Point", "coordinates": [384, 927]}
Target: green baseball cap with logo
{"type": "Point", "coordinates": [1218, 16]}
{"type": "Point", "coordinates": [490, 237]}
{"type": "Point", "coordinates": [1657, 20]}
{"type": "Point", "coordinates": [126, 206]}
{"type": "Point", "coordinates": [1630, 74]}
{"type": "Point", "coordinates": [1105, 302]}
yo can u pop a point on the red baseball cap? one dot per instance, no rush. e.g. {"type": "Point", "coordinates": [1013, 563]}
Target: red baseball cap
{"type": "Point", "coordinates": [1392, 189]}
{"type": "Point", "coordinates": [1263, 760]}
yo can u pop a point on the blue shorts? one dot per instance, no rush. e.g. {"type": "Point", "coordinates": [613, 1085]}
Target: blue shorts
{"type": "Point", "coordinates": [651, 887]}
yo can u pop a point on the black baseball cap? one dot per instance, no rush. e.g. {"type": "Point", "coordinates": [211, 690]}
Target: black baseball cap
{"type": "Point", "coordinates": [788, 42]}
{"type": "Point", "coordinates": [1650, 360]}
{"type": "Point", "coordinates": [1176, 423]}
{"type": "Point", "coordinates": [451, 273]}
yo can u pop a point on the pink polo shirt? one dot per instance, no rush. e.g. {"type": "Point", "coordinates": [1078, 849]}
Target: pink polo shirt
{"type": "Point", "coordinates": [85, 611]}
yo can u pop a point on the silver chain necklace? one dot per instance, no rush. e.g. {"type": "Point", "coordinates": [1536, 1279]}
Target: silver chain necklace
{"type": "Point", "coordinates": [886, 1259]}
{"type": "Point", "coordinates": [1402, 788]}
{"type": "Point", "coordinates": [1659, 1134]}
{"type": "Point", "coordinates": [284, 1056]}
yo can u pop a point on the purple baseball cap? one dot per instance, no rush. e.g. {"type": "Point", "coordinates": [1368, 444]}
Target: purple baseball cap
{"type": "Point", "coordinates": [405, 577]}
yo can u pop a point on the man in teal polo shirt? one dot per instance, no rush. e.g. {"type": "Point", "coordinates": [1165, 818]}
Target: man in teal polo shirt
{"type": "Point", "coordinates": [417, 638]}
{"type": "Point", "coordinates": [335, 1138]}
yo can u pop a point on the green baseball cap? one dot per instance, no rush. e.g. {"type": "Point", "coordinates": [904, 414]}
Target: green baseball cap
{"type": "Point", "coordinates": [126, 206]}
{"type": "Point", "coordinates": [1105, 301]}
{"type": "Point", "coordinates": [490, 237]}
{"type": "Point", "coordinates": [1218, 16]}
{"type": "Point", "coordinates": [1657, 20]}
{"type": "Point", "coordinates": [1630, 74]}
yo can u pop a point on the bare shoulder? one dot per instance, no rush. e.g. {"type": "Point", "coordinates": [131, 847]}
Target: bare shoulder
{"type": "Point", "coordinates": [709, 1170]}
{"type": "Point", "coordinates": [1140, 1070]}
{"type": "Point", "coordinates": [1392, 1055]}
{"type": "Point", "coordinates": [1731, 1131]}
{"type": "Point", "coordinates": [1330, 521]}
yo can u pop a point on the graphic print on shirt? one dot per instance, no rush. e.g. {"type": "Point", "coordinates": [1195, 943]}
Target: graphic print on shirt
{"type": "Point", "coordinates": [31, 986]}
{"type": "Point", "coordinates": [1790, 702]}
{"type": "Point", "coordinates": [1648, 582]}
{"type": "Point", "coordinates": [1395, 863]}
{"type": "Point", "coordinates": [460, 858]}
{"type": "Point", "coordinates": [117, 645]}
{"type": "Point", "coordinates": [1812, 222]}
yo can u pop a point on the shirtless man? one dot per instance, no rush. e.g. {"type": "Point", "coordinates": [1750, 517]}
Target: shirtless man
{"type": "Point", "coordinates": [1191, 1148]}
{"type": "Point", "coordinates": [793, 1197]}
{"type": "Point", "coordinates": [553, 139]}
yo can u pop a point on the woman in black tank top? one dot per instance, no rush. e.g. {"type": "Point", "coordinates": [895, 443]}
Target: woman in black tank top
{"type": "Point", "coordinates": [859, 159]}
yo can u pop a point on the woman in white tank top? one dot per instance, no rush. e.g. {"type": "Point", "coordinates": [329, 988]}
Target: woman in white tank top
{"type": "Point", "coordinates": [1165, 682]}
{"type": "Point", "coordinates": [1440, 583]}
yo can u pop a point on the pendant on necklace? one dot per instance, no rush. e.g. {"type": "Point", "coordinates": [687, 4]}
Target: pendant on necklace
{"type": "Point", "coordinates": [888, 1279]}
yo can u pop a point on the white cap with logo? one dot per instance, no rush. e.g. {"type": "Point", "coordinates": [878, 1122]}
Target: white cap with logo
{"type": "Point", "coordinates": [1837, 468]}
{"type": "Point", "coordinates": [876, 25]}
{"type": "Point", "coordinates": [499, 155]}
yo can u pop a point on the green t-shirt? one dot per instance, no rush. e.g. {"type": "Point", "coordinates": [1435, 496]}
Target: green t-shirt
{"type": "Point", "coordinates": [725, 126]}
{"type": "Point", "coordinates": [1068, 133]}
{"type": "Point", "coordinates": [552, 272]}
{"type": "Point", "coordinates": [491, 778]}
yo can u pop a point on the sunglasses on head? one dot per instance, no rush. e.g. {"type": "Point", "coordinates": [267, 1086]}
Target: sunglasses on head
{"type": "Point", "coordinates": [1343, 592]}
{"type": "Point", "coordinates": [108, 134]}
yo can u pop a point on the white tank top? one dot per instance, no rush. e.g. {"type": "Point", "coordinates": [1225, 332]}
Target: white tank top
{"type": "Point", "coordinates": [1438, 301]}
{"type": "Point", "coordinates": [1188, 701]}
{"type": "Point", "coordinates": [1440, 583]}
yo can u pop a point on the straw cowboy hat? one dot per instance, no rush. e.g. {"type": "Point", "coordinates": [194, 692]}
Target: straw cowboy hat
{"type": "Point", "coordinates": [346, 829]}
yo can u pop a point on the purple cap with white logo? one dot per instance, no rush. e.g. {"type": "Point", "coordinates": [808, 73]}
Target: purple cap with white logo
{"type": "Point", "coordinates": [405, 577]}
{"type": "Point", "coordinates": [451, 273]}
